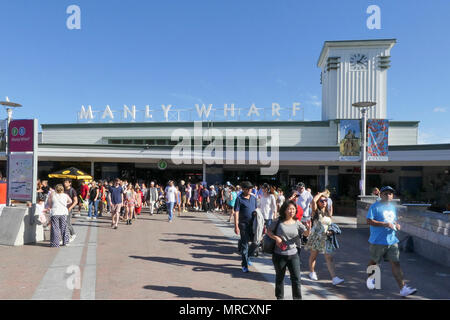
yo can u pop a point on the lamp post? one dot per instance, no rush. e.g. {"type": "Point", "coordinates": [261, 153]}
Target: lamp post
{"type": "Point", "coordinates": [363, 106]}
{"type": "Point", "coordinates": [9, 105]}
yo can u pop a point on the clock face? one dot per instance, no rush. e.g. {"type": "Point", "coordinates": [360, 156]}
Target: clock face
{"type": "Point", "coordinates": [358, 61]}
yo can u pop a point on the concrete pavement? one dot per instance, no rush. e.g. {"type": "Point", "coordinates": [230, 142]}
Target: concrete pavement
{"type": "Point", "coordinates": [195, 257]}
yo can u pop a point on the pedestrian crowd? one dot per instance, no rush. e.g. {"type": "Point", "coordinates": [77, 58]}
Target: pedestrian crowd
{"type": "Point", "coordinates": [293, 221]}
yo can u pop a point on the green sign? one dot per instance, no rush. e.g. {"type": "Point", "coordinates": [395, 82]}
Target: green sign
{"type": "Point", "coordinates": [162, 165]}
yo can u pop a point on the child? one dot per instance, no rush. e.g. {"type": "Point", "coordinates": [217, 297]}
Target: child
{"type": "Point", "coordinates": [178, 200]}
{"type": "Point", "coordinates": [41, 210]}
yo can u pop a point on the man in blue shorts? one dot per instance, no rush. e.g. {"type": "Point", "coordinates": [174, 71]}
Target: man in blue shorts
{"type": "Point", "coordinates": [382, 219]}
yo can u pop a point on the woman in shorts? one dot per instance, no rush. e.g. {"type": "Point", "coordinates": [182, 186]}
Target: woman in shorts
{"type": "Point", "coordinates": [317, 240]}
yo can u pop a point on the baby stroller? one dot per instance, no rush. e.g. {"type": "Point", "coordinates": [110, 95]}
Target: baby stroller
{"type": "Point", "coordinates": [161, 206]}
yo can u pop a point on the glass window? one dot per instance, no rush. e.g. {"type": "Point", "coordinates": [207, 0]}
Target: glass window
{"type": "Point", "coordinates": [127, 141]}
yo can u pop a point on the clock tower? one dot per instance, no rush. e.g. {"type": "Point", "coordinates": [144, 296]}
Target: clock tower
{"type": "Point", "coordinates": [354, 71]}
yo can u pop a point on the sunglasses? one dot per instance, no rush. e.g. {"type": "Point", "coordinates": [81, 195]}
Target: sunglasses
{"type": "Point", "coordinates": [323, 201]}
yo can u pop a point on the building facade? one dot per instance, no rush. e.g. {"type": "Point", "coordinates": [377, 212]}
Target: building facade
{"type": "Point", "coordinates": [308, 151]}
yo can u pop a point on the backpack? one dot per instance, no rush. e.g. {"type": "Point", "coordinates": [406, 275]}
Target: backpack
{"type": "Point", "coordinates": [227, 194]}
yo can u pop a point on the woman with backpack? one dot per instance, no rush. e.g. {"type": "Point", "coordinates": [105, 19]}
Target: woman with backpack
{"type": "Point", "coordinates": [287, 231]}
{"type": "Point", "coordinates": [232, 200]}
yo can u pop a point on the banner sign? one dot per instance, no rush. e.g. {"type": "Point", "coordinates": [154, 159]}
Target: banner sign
{"type": "Point", "coordinates": [22, 160]}
{"type": "Point", "coordinates": [20, 176]}
{"type": "Point", "coordinates": [350, 139]}
{"type": "Point", "coordinates": [21, 136]}
{"type": "Point", "coordinates": [378, 136]}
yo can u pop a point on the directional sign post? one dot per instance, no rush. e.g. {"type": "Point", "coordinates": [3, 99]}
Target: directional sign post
{"type": "Point", "coordinates": [22, 160]}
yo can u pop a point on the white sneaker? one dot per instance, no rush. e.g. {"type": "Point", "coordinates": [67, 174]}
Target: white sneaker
{"type": "Point", "coordinates": [94, 218]}
{"type": "Point", "coordinates": [72, 238]}
{"type": "Point", "coordinates": [337, 280]}
{"type": "Point", "coordinates": [406, 291]}
{"type": "Point", "coordinates": [88, 218]}
{"type": "Point", "coordinates": [313, 276]}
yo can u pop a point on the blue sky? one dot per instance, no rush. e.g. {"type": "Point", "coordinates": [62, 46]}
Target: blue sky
{"type": "Point", "coordinates": [209, 51]}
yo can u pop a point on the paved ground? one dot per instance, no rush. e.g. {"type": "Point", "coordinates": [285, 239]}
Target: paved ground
{"type": "Point", "coordinates": [192, 258]}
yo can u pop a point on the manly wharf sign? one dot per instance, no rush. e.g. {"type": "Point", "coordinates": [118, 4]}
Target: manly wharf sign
{"type": "Point", "coordinates": [209, 147]}
{"type": "Point", "coordinates": [203, 112]}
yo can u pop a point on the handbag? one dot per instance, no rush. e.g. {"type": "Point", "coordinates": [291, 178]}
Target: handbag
{"type": "Point", "coordinates": [268, 244]}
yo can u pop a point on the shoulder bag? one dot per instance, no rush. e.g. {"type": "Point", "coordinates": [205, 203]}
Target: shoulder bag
{"type": "Point", "coordinates": [268, 244]}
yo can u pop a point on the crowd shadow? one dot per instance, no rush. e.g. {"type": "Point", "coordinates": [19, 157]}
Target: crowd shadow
{"type": "Point", "coordinates": [197, 266]}
{"type": "Point", "coordinates": [205, 245]}
{"type": "Point", "coordinates": [199, 236]}
{"type": "Point", "coordinates": [215, 256]}
{"type": "Point", "coordinates": [189, 293]}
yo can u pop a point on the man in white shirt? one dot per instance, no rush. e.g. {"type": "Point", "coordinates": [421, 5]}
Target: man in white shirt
{"type": "Point", "coordinates": [171, 198]}
{"type": "Point", "coordinates": [152, 197]}
{"type": "Point", "coordinates": [268, 205]}
{"type": "Point", "coordinates": [304, 200]}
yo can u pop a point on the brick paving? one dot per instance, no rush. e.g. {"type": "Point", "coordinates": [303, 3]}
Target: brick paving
{"type": "Point", "coordinates": [192, 258]}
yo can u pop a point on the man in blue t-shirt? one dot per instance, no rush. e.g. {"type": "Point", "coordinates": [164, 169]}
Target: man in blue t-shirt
{"type": "Point", "coordinates": [244, 207]}
{"type": "Point", "coordinates": [205, 199]}
{"type": "Point", "coordinates": [382, 219]}
{"type": "Point", "coordinates": [116, 200]}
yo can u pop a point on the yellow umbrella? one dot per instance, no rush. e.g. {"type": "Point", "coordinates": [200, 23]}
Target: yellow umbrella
{"type": "Point", "coordinates": [70, 173]}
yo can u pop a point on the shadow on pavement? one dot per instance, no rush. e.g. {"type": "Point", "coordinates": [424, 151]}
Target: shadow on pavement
{"type": "Point", "coordinates": [232, 269]}
{"type": "Point", "coordinates": [184, 292]}
{"type": "Point", "coordinates": [215, 256]}
{"type": "Point", "coordinates": [209, 246]}
{"type": "Point", "coordinates": [198, 235]}
{"type": "Point", "coordinates": [44, 244]}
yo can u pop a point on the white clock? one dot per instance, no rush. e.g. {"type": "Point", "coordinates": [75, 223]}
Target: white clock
{"type": "Point", "coordinates": [358, 62]}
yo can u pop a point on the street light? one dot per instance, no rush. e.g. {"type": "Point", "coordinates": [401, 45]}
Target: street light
{"type": "Point", "coordinates": [9, 105]}
{"type": "Point", "coordinates": [363, 106]}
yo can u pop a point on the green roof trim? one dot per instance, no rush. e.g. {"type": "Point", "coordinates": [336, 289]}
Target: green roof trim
{"type": "Point", "coordinates": [306, 148]}
{"type": "Point", "coordinates": [404, 123]}
{"type": "Point", "coordinates": [444, 146]}
{"type": "Point", "coordinates": [219, 124]}
{"type": "Point", "coordinates": [206, 124]}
